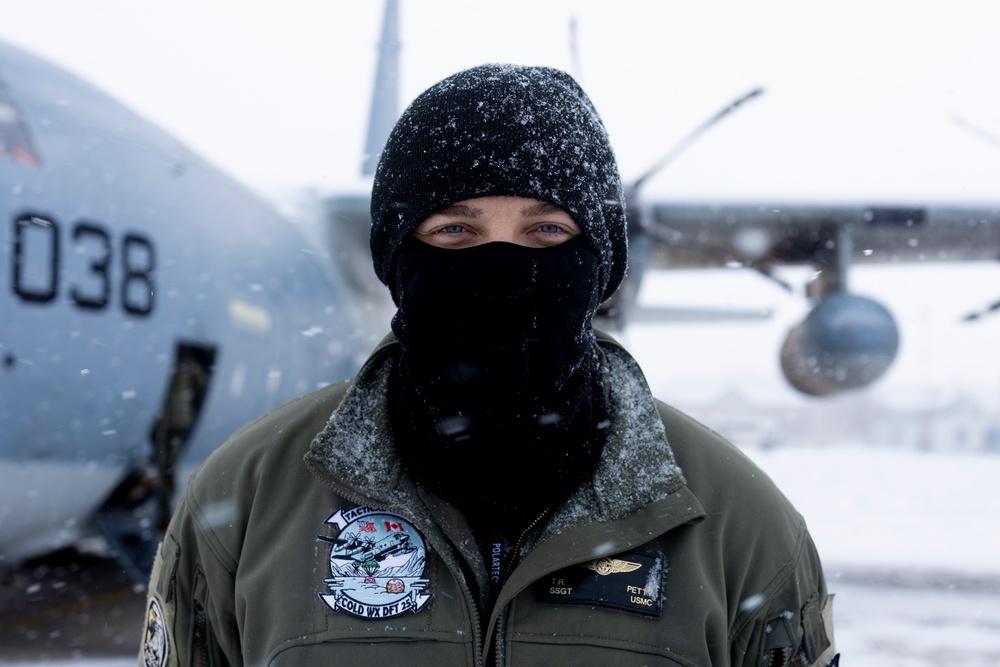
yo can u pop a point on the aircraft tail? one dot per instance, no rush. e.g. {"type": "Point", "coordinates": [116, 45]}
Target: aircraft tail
{"type": "Point", "coordinates": [385, 95]}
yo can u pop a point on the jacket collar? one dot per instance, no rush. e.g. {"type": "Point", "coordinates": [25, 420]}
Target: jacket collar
{"type": "Point", "coordinates": [355, 451]}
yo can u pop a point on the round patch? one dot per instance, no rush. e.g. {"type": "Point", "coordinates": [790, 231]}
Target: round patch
{"type": "Point", "coordinates": [155, 645]}
{"type": "Point", "coordinates": [377, 563]}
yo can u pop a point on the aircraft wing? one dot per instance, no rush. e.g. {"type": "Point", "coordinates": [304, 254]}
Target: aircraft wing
{"type": "Point", "coordinates": [678, 314]}
{"type": "Point", "coordinates": [847, 341]}
{"type": "Point", "coordinates": [765, 234]}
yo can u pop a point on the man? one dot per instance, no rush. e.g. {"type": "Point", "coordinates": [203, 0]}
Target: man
{"type": "Point", "coordinates": [497, 484]}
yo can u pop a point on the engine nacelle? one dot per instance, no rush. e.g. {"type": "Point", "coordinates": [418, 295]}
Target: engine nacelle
{"type": "Point", "coordinates": [846, 342]}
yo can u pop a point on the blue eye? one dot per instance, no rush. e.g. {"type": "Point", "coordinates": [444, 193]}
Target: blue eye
{"type": "Point", "coordinates": [452, 229]}
{"type": "Point", "coordinates": [549, 228]}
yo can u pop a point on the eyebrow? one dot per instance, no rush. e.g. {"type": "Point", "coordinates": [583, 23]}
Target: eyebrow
{"type": "Point", "coordinates": [541, 208]}
{"type": "Point", "coordinates": [460, 211]}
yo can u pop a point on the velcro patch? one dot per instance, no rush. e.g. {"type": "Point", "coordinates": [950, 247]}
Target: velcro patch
{"type": "Point", "coordinates": [627, 582]}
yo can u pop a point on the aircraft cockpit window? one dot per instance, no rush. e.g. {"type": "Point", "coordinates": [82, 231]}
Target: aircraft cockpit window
{"type": "Point", "coordinates": [15, 139]}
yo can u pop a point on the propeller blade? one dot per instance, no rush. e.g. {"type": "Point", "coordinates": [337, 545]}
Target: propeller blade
{"type": "Point", "coordinates": [690, 138]}
{"type": "Point", "coordinates": [992, 308]}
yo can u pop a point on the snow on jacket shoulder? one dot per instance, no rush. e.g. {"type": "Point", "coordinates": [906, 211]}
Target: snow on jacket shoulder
{"type": "Point", "coordinates": [680, 551]}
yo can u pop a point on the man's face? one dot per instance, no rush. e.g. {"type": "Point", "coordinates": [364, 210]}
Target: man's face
{"type": "Point", "coordinates": [526, 222]}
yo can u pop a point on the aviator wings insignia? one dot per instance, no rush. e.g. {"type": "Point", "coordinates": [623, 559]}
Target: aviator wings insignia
{"type": "Point", "coordinates": [606, 566]}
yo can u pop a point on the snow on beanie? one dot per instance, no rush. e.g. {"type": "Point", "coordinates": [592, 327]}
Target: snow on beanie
{"type": "Point", "coordinates": [500, 130]}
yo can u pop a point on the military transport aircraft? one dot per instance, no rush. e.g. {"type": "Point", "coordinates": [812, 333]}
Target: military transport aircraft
{"type": "Point", "coordinates": [357, 548]}
{"type": "Point", "coordinates": [149, 305]}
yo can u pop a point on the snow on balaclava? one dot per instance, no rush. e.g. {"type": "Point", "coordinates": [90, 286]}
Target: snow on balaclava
{"type": "Point", "coordinates": [497, 349]}
{"type": "Point", "coordinates": [500, 130]}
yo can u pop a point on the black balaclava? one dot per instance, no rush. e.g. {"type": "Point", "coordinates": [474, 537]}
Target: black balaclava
{"type": "Point", "coordinates": [497, 401]}
{"type": "Point", "coordinates": [498, 384]}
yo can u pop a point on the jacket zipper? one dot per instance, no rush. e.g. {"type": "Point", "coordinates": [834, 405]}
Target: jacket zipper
{"type": "Point", "coordinates": [497, 651]}
{"type": "Point", "coordinates": [200, 638]}
{"type": "Point", "coordinates": [498, 648]}
{"type": "Point", "coordinates": [517, 547]}
{"type": "Point", "coordinates": [477, 624]}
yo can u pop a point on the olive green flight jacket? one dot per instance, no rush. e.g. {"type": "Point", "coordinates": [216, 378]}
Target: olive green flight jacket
{"type": "Point", "coordinates": [301, 541]}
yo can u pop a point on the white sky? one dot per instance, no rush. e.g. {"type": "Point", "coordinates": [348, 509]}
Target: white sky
{"type": "Point", "coordinates": [859, 105]}
{"type": "Point", "coordinates": [859, 95]}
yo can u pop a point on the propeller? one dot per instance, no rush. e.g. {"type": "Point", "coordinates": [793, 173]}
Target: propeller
{"type": "Point", "coordinates": [641, 233]}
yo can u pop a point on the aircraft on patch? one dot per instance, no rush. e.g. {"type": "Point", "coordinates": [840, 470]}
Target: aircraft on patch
{"type": "Point", "coordinates": [356, 548]}
{"type": "Point", "coordinates": [149, 305]}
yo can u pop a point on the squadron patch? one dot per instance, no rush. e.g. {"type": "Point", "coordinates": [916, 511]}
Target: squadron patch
{"type": "Point", "coordinates": [155, 645]}
{"type": "Point", "coordinates": [377, 563]}
{"type": "Point", "coordinates": [628, 582]}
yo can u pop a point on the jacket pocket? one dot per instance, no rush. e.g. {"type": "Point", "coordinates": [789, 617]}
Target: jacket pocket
{"type": "Point", "coordinates": [802, 639]}
{"type": "Point", "coordinates": [375, 650]}
{"type": "Point", "coordinates": [552, 651]}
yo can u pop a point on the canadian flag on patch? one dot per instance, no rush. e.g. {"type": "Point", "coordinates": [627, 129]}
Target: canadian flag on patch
{"type": "Point", "coordinates": [392, 525]}
{"type": "Point", "coordinates": [366, 527]}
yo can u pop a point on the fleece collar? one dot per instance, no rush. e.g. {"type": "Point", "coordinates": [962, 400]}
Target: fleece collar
{"type": "Point", "coordinates": [355, 452]}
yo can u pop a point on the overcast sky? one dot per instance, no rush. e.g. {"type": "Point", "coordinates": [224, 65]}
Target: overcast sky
{"type": "Point", "coordinates": [860, 103]}
{"type": "Point", "coordinates": [859, 99]}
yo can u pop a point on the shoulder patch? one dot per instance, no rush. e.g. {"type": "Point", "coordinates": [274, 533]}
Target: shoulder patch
{"type": "Point", "coordinates": [630, 582]}
{"type": "Point", "coordinates": [155, 643]}
{"type": "Point", "coordinates": [377, 563]}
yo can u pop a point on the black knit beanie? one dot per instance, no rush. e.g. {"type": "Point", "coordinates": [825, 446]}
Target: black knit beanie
{"type": "Point", "coordinates": [500, 130]}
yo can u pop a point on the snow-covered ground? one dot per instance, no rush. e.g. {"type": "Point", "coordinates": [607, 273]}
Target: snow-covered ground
{"type": "Point", "coordinates": [893, 626]}
{"type": "Point", "coordinates": [904, 510]}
